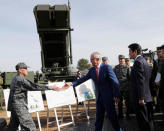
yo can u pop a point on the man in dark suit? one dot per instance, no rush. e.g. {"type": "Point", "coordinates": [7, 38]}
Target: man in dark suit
{"type": "Point", "coordinates": [161, 81]}
{"type": "Point", "coordinates": [106, 89]}
{"type": "Point", "coordinates": [140, 92]}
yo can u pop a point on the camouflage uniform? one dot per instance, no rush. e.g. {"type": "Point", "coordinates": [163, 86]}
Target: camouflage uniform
{"type": "Point", "coordinates": [122, 73]}
{"type": "Point", "coordinates": [17, 103]}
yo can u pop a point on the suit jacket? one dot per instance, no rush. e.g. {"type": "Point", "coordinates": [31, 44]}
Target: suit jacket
{"type": "Point", "coordinates": [140, 75]}
{"type": "Point", "coordinates": [107, 85]}
{"type": "Point", "coordinates": [161, 88]}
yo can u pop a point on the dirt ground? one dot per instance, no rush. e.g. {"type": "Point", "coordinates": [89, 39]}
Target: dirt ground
{"type": "Point", "coordinates": [67, 117]}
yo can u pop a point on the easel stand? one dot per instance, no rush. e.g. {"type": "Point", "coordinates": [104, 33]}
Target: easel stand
{"type": "Point", "coordinates": [37, 113]}
{"type": "Point", "coordinates": [57, 120]}
{"type": "Point", "coordinates": [89, 104]}
{"type": "Point", "coordinates": [50, 122]}
{"type": "Point", "coordinates": [85, 108]}
{"type": "Point", "coordinates": [91, 114]}
{"type": "Point", "coordinates": [65, 124]}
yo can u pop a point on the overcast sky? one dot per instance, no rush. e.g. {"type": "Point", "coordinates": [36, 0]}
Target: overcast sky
{"type": "Point", "coordinates": [107, 26]}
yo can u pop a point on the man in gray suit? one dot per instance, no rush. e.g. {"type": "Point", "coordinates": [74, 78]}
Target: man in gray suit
{"type": "Point", "coordinates": [140, 91]}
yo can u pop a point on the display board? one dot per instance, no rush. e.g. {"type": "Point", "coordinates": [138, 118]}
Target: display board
{"type": "Point", "coordinates": [85, 91]}
{"type": "Point", "coordinates": [60, 98]}
{"type": "Point", "coordinates": [35, 101]}
{"type": "Point", "coordinates": [6, 96]}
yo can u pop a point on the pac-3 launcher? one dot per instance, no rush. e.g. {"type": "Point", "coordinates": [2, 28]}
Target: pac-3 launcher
{"type": "Point", "coordinates": [53, 26]}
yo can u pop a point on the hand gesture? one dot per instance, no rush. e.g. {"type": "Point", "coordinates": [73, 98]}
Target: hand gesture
{"type": "Point", "coordinates": [55, 88]}
{"type": "Point", "coordinates": [116, 100]}
{"type": "Point", "coordinates": [66, 86]}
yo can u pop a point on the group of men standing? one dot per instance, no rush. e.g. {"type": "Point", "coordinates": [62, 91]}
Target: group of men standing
{"type": "Point", "coordinates": [134, 87]}
{"type": "Point", "coordinates": [141, 82]}
{"type": "Point", "coordinates": [124, 82]}
{"type": "Point", "coordinates": [110, 88]}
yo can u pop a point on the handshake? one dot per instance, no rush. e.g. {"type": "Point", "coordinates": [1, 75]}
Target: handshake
{"type": "Point", "coordinates": [66, 86]}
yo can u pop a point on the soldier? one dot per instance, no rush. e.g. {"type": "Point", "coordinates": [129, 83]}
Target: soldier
{"type": "Point", "coordinates": [105, 60]}
{"type": "Point", "coordinates": [153, 87]}
{"type": "Point", "coordinates": [130, 107]}
{"type": "Point", "coordinates": [127, 61]}
{"type": "Point", "coordinates": [122, 72]}
{"type": "Point", "coordinates": [17, 102]}
{"type": "Point", "coordinates": [161, 82]}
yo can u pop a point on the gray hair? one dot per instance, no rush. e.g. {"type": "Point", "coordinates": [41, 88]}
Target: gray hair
{"type": "Point", "coordinates": [96, 55]}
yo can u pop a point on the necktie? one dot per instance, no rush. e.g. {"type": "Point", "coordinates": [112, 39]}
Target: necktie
{"type": "Point", "coordinates": [97, 74]}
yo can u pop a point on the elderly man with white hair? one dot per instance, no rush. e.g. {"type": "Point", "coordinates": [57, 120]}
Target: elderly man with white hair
{"type": "Point", "coordinates": [107, 91]}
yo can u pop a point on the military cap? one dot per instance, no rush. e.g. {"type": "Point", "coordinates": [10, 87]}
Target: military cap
{"type": "Point", "coordinates": [127, 59]}
{"type": "Point", "coordinates": [104, 58]}
{"type": "Point", "coordinates": [21, 65]}
{"type": "Point", "coordinates": [121, 57]}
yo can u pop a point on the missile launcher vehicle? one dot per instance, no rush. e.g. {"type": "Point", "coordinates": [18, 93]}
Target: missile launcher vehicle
{"type": "Point", "coordinates": [53, 26]}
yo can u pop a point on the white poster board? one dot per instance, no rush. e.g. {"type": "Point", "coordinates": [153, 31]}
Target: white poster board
{"type": "Point", "coordinates": [35, 101]}
{"type": "Point", "coordinates": [85, 91]}
{"type": "Point", "coordinates": [60, 98]}
{"type": "Point", "coordinates": [6, 93]}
